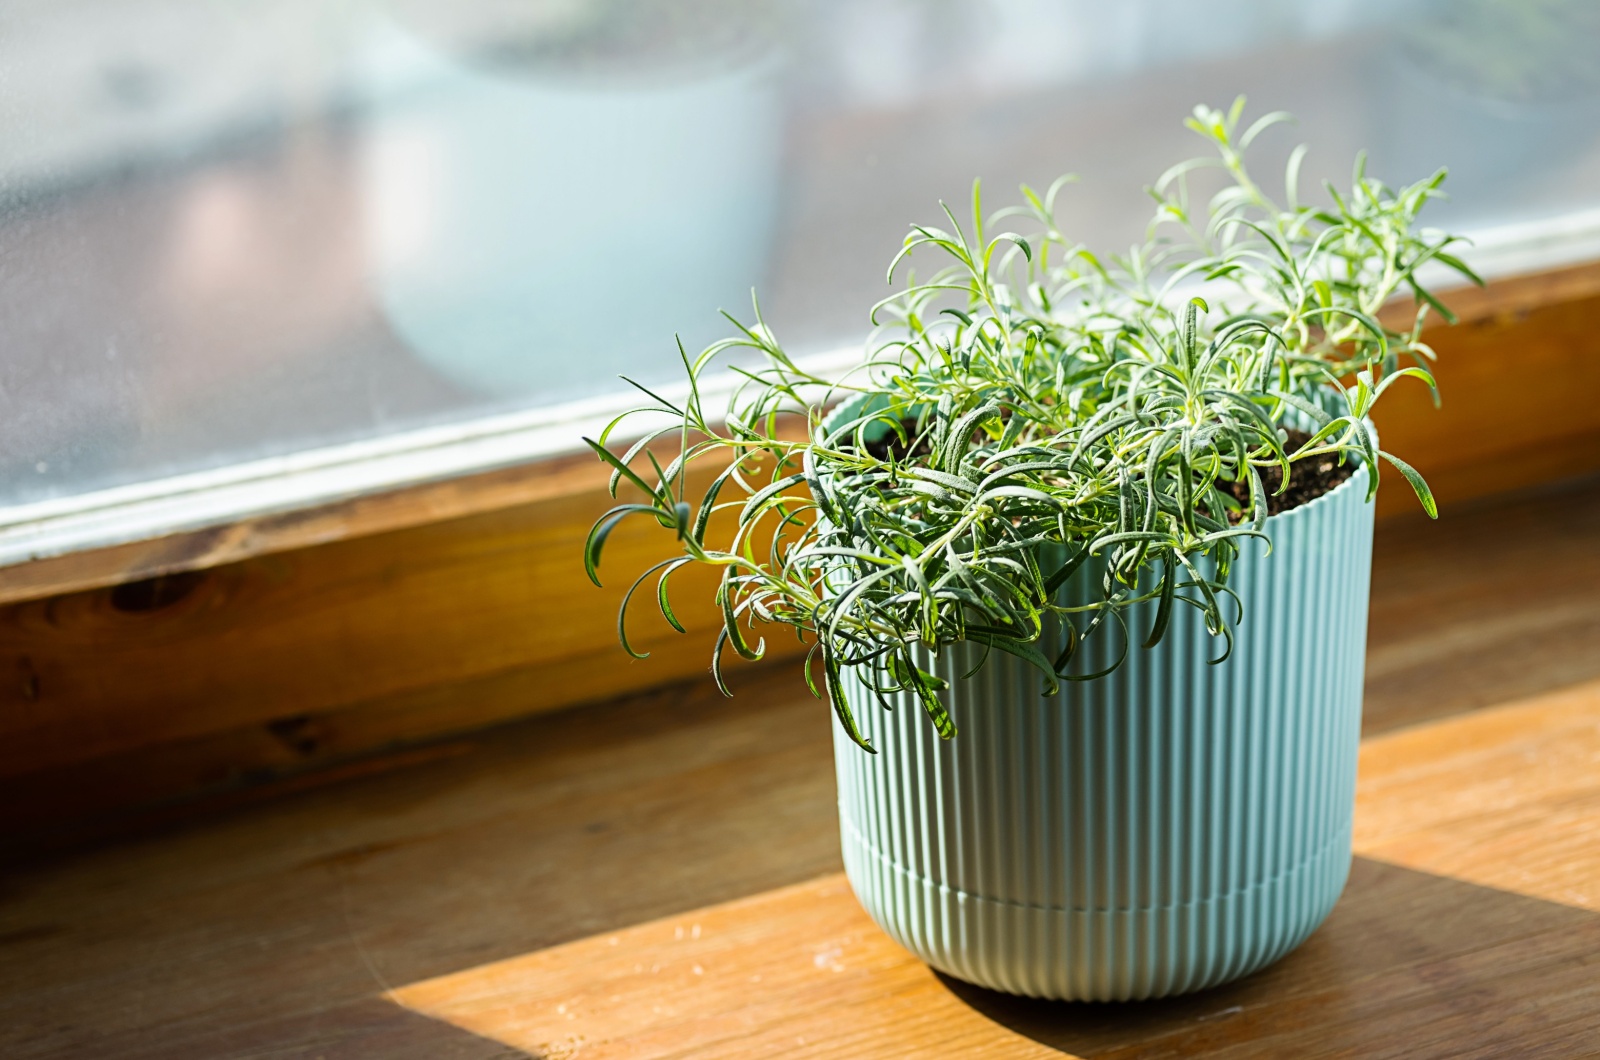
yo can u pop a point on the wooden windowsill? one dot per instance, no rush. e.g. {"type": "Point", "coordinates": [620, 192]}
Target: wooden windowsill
{"type": "Point", "coordinates": [1504, 303]}
{"type": "Point", "coordinates": [205, 663]}
{"type": "Point", "coordinates": [1475, 898]}
{"type": "Point", "coordinates": [657, 876]}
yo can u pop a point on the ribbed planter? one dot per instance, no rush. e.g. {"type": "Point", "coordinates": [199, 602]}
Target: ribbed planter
{"type": "Point", "coordinates": [1161, 830]}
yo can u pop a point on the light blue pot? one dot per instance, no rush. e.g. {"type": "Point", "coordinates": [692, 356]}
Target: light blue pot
{"type": "Point", "coordinates": [1164, 829]}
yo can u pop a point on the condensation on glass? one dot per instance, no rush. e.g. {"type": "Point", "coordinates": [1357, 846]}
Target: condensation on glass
{"type": "Point", "coordinates": [236, 229]}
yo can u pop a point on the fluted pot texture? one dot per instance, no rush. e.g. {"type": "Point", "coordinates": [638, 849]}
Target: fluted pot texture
{"type": "Point", "coordinates": [1160, 830]}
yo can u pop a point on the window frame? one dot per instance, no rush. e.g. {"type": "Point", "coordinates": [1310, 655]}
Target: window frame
{"type": "Point", "coordinates": [202, 519]}
{"type": "Point", "coordinates": [372, 630]}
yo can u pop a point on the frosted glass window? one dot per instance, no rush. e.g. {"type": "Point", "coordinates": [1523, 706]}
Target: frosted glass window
{"type": "Point", "coordinates": [231, 229]}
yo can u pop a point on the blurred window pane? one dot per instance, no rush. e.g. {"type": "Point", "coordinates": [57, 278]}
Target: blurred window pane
{"type": "Point", "coordinates": [232, 229]}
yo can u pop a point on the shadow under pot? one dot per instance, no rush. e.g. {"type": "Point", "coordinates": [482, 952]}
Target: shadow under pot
{"type": "Point", "coordinates": [1164, 829]}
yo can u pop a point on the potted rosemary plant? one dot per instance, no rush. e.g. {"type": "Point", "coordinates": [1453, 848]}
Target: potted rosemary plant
{"type": "Point", "coordinates": [1081, 551]}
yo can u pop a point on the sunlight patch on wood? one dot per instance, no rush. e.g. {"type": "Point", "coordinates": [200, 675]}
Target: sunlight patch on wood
{"type": "Point", "coordinates": [1507, 797]}
{"type": "Point", "coordinates": [796, 972]}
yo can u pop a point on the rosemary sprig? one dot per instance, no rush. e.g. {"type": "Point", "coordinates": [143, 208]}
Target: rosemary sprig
{"type": "Point", "coordinates": [1031, 404]}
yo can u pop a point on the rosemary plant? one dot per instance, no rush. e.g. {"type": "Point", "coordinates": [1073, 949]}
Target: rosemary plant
{"type": "Point", "coordinates": [1031, 405]}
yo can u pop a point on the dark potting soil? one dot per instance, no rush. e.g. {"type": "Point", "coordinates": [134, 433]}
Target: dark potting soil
{"type": "Point", "coordinates": [890, 444]}
{"type": "Point", "coordinates": [1308, 480]}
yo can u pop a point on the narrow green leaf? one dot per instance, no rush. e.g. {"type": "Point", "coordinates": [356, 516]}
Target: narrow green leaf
{"type": "Point", "coordinates": [730, 622]}
{"type": "Point", "coordinates": [661, 594]}
{"type": "Point", "coordinates": [617, 465]}
{"type": "Point", "coordinates": [1418, 483]}
{"type": "Point", "coordinates": [923, 685]}
{"type": "Point", "coordinates": [841, 707]}
{"type": "Point", "coordinates": [601, 530]}
{"type": "Point", "coordinates": [1158, 628]}
{"type": "Point", "coordinates": [753, 506]}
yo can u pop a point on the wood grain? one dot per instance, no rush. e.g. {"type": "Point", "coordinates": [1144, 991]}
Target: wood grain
{"type": "Point", "coordinates": [1517, 407]}
{"type": "Point", "coordinates": [283, 640]}
{"type": "Point", "coordinates": [273, 930]}
{"type": "Point", "coordinates": [1510, 798]}
{"type": "Point", "coordinates": [334, 642]}
{"type": "Point", "coordinates": [804, 973]}
{"type": "Point", "coordinates": [278, 928]}
{"type": "Point", "coordinates": [798, 972]}
{"type": "Point", "coordinates": [1497, 601]}
{"type": "Point", "coordinates": [1506, 798]}
{"type": "Point", "coordinates": [1521, 312]}
{"type": "Point", "coordinates": [419, 505]}
{"type": "Point", "coordinates": [1458, 622]}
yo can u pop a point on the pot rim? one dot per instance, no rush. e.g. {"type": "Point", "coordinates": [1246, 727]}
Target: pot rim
{"type": "Point", "coordinates": [1358, 476]}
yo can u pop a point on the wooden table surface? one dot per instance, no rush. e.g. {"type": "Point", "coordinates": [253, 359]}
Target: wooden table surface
{"type": "Point", "coordinates": [658, 877]}
{"type": "Point", "coordinates": [1471, 927]}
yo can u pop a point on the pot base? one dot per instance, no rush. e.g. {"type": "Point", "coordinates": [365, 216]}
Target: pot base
{"type": "Point", "coordinates": [1098, 954]}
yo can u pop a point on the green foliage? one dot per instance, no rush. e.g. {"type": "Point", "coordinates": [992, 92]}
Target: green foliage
{"type": "Point", "coordinates": [1031, 405]}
